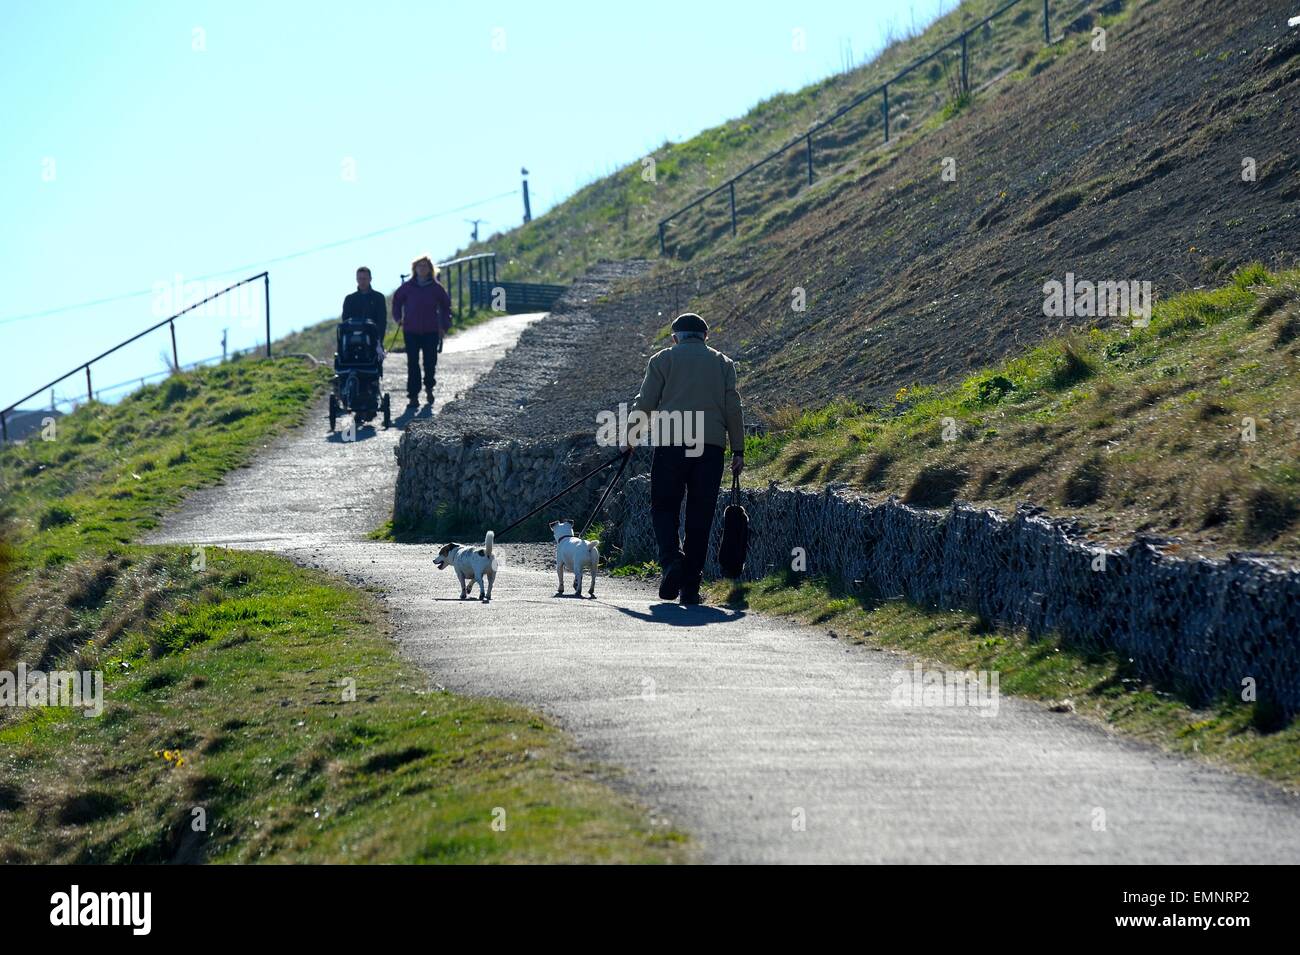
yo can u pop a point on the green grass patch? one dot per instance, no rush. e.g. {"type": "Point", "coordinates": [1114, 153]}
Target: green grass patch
{"type": "Point", "coordinates": [230, 702]}
{"type": "Point", "coordinates": [113, 470]}
{"type": "Point", "coordinates": [1179, 427]}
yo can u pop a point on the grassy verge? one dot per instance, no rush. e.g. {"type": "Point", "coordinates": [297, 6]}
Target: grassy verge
{"type": "Point", "coordinates": [1098, 686]}
{"type": "Point", "coordinates": [110, 471]}
{"type": "Point", "coordinates": [1183, 427]}
{"type": "Point", "coordinates": [230, 732]}
{"type": "Point", "coordinates": [227, 703]}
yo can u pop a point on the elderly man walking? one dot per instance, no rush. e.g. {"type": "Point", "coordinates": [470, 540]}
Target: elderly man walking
{"type": "Point", "coordinates": [692, 389]}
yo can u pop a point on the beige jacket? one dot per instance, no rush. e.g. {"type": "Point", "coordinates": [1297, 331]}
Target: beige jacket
{"type": "Point", "coordinates": [690, 376]}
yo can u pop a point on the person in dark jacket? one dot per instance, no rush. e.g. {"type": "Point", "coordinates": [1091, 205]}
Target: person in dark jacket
{"type": "Point", "coordinates": [690, 378]}
{"type": "Point", "coordinates": [422, 307]}
{"type": "Point", "coordinates": [365, 303]}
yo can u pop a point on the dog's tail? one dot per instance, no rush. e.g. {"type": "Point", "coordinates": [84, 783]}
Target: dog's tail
{"type": "Point", "coordinates": [487, 543]}
{"type": "Point", "coordinates": [593, 552]}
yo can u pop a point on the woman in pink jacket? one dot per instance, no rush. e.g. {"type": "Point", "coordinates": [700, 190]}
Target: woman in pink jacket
{"type": "Point", "coordinates": [422, 307]}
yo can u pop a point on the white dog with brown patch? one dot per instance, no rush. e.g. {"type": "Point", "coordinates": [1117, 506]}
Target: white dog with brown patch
{"type": "Point", "coordinates": [574, 555]}
{"type": "Point", "coordinates": [473, 564]}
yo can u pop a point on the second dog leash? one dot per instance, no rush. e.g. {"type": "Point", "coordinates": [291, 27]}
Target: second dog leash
{"type": "Point", "coordinates": [594, 471]}
{"type": "Point", "coordinates": [627, 456]}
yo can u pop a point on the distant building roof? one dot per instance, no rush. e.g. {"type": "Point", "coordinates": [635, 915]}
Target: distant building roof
{"type": "Point", "coordinates": [21, 422]}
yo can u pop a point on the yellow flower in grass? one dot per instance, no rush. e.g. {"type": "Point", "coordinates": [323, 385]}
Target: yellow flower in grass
{"type": "Point", "coordinates": [173, 756]}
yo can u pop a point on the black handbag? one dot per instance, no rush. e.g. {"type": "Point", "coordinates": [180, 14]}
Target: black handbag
{"type": "Point", "coordinates": [734, 544]}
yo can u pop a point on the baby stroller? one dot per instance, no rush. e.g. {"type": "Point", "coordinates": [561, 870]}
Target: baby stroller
{"type": "Point", "coordinates": [358, 365]}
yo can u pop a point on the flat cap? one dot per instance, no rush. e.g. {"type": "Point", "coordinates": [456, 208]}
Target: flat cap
{"type": "Point", "coordinates": [690, 322]}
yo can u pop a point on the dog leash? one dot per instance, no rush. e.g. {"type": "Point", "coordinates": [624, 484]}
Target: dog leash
{"type": "Point", "coordinates": [624, 456]}
{"type": "Point", "coordinates": [397, 328]}
{"type": "Point", "coordinates": [608, 488]}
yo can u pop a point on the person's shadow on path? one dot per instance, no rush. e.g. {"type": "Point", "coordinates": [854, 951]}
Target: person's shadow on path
{"type": "Point", "coordinates": [365, 432]}
{"type": "Point", "coordinates": [407, 416]}
{"type": "Point", "coordinates": [678, 615]}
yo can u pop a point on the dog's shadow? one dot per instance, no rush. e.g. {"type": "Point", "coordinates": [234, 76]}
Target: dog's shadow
{"type": "Point", "coordinates": [679, 615]}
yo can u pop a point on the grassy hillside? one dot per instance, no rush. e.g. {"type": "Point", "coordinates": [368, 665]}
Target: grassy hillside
{"type": "Point", "coordinates": [1185, 427]}
{"type": "Point", "coordinates": [1095, 166]}
{"type": "Point", "coordinates": [254, 710]}
{"type": "Point", "coordinates": [112, 470]}
{"type": "Point", "coordinates": [1122, 164]}
{"type": "Point", "coordinates": [616, 217]}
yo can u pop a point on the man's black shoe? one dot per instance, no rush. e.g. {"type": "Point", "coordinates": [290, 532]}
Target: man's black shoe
{"type": "Point", "coordinates": [691, 592]}
{"type": "Point", "coordinates": [670, 585]}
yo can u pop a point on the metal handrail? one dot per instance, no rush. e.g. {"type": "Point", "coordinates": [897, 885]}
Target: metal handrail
{"type": "Point", "coordinates": [170, 320]}
{"type": "Point", "coordinates": [484, 263]}
{"type": "Point", "coordinates": [468, 258]}
{"type": "Point", "coordinates": [883, 89]}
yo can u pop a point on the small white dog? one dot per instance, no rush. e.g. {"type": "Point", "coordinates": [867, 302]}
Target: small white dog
{"type": "Point", "coordinates": [473, 564]}
{"type": "Point", "coordinates": [574, 555]}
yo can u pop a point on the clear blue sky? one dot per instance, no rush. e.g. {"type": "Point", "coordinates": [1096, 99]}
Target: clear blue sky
{"type": "Point", "coordinates": [149, 141]}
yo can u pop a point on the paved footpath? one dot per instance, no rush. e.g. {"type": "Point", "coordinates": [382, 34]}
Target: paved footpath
{"type": "Point", "coordinates": [730, 724]}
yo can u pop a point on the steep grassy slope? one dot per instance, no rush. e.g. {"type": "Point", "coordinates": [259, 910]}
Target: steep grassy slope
{"type": "Point", "coordinates": [253, 710]}
{"type": "Point", "coordinates": [1186, 427]}
{"type": "Point", "coordinates": [1123, 165]}
{"type": "Point", "coordinates": [616, 217]}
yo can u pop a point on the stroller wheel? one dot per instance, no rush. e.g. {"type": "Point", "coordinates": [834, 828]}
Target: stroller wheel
{"type": "Point", "coordinates": [334, 411]}
{"type": "Point", "coordinates": [388, 417]}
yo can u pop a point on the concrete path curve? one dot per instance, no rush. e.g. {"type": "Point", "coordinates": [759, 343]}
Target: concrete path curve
{"type": "Point", "coordinates": [733, 726]}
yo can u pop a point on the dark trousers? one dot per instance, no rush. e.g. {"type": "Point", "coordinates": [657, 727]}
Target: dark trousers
{"type": "Point", "coordinates": [417, 344]}
{"type": "Point", "coordinates": [673, 474]}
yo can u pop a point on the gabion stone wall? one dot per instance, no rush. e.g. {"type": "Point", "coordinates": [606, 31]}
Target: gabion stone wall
{"type": "Point", "coordinates": [1200, 625]}
{"type": "Point", "coordinates": [496, 479]}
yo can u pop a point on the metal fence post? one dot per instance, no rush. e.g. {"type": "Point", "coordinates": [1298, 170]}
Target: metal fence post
{"type": "Point", "coordinates": [460, 288]}
{"type": "Point", "coordinates": [965, 70]}
{"type": "Point", "coordinates": [885, 109]}
{"type": "Point", "coordinates": [733, 207]}
{"type": "Point", "coordinates": [176, 361]}
{"type": "Point", "coordinates": [266, 289]}
{"type": "Point", "coordinates": [1047, 22]}
{"type": "Point", "coordinates": [662, 252]}
{"type": "Point", "coordinates": [90, 393]}
{"type": "Point", "coordinates": [810, 166]}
